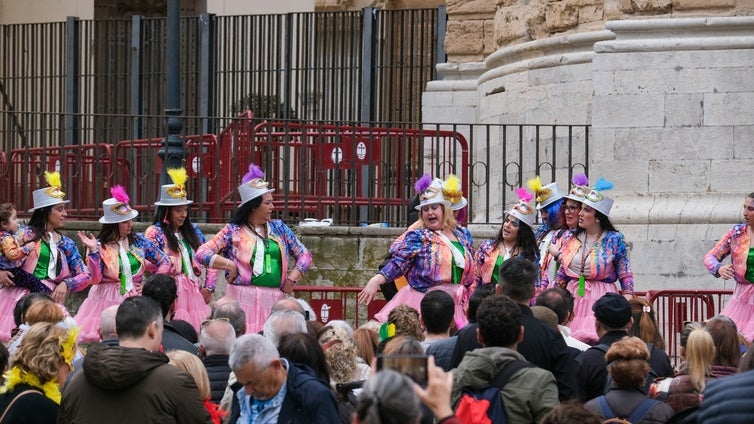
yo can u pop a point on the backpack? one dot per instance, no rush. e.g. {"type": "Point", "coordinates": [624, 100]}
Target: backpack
{"type": "Point", "coordinates": [485, 406]}
{"type": "Point", "coordinates": [636, 415]}
{"type": "Point", "coordinates": [647, 382]}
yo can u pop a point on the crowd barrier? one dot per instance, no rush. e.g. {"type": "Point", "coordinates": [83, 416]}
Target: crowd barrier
{"type": "Point", "coordinates": [671, 307]}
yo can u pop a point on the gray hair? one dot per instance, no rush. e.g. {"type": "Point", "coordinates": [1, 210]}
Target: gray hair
{"type": "Point", "coordinates": [341, 324]}
{"type": "Point", "coordinates": [217, 337]}
{"type": "Point", "coordinates": [234, 313]}
{"type": "Point", "coordinates": [107, 323]}
{"type": "Point", "coordinates": [283, 322]}
{"type": "Point", "coordinates": [252, 348]}
{"type": "Point", "coordinates": [388, 397]}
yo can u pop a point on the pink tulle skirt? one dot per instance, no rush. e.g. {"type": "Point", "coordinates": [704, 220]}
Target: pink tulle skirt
{"type": "Point", "coordinates": [256, 303]}
{"type": "Point", "coordinates": [740, 308]}
{"type": "Point", "coordinates": [409, 296]}
{"type": "Point", "coordinates": [101, 296]}
{"type": "Point", "coordinates": [190, 305]}
{"type": "Point", "coordinates": [582, 326]}
{"type": "Point", "coordinates": [9, 296]}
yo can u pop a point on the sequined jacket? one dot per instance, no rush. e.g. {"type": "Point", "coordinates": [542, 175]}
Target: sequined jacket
{"type": "Point", "coordinates": [606, 264]}
{"type": "Point", "coordinates": [72, 270]}
{"type": "Point", "coordinates": [156, 235]}
{"type": "Point", "coordinates": [736, 244]}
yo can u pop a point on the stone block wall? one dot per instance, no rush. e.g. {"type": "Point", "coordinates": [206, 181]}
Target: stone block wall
{"type": "Point", "coordinates": [476, 28]}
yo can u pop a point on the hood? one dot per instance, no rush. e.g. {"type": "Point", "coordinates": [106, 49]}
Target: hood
{"type": "Point", "coordinates": [481, 365]}
{"type": "Point", "coordinates": [119, 368]}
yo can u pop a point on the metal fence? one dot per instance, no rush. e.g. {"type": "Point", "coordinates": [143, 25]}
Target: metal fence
{"type": "Point", "coordinates": [351, 173]}
{"type": "Point", "coordinates": [369, 65]}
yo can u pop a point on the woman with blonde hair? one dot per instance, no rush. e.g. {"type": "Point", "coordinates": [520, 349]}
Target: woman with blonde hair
{"type": "Point", "coordinates": [684, 392]}
{"type": "Point", "coordinates": [38, 370]}
{"type": "Point", "coordinates": [194, 367]}
{"type": "Point", "coordinates": [628, 367]}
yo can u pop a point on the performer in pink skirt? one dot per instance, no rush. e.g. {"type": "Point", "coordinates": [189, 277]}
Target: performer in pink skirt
{"type": "Point", "coordinates": [52, 257]}
{"type": "Point", "coordinates": [437, 256]}
{"type": "Point", "coordinates": [117, 260]}
{"type": "Point", "coordinates": [592, 259]}
{"type": "Point", "coordinates": [253, 251]}
{"type": "Point", "coordinates": [175, 234]}
{"type": "Point", "coordinates": [738, 244]}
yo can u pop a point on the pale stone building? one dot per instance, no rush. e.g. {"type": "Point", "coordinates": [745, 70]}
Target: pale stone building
{"type": "Point", "coordinates": [667, 86]}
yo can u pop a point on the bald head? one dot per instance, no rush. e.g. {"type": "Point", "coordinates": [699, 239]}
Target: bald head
{"type": "Point", "coordinates": [287, 304]}
{"type": "Point", "coordinates": [107, 323]}
{"type": "Point", "coordinates": [216, 337]}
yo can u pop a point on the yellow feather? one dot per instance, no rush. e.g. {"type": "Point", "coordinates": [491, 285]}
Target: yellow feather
{"type": "Point", "coordinates": [452, 184]}
{"type": "Point", "coordinates": [53, 179]}
{"type": "Point", "coordinates": [179, 176]}
{"type": "Point", "coordinates": [535, 184]}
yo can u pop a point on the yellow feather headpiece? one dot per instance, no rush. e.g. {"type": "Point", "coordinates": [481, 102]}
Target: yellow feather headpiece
{"type": "Point", "coordinates": [179, 177]}
{"type": "Point", "coordinates": [451, 189]}
{"type": "Point", "coordinates": [53, 180]}
{"type": "Point", "coordinates": [68, 346]}
{"type": "Point", "coordinates": [535, 185]}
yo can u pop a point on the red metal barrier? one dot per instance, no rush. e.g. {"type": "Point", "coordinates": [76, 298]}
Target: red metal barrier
{"type": "Point", "coordinates": [674, 307]}
{"type": "Point", "coordinates": [339, 303]}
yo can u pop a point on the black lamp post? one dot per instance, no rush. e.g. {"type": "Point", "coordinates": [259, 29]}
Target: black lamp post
{"type": "Point", "coordinates": [173, 151]}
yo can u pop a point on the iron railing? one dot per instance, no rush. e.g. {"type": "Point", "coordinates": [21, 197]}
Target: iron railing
{"type": "Point", "coordinates": [369, 65]}
{"type": "Point", "coordinates": [346, 171]}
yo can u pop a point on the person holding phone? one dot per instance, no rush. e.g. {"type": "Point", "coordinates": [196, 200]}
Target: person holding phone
{"type": "Point", "coordinates": [437, 256]}
{"type": "Point", "coordinates": [253, 251]}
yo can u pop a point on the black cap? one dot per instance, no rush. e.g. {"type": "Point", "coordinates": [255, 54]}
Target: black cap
{"type": "Point", "coordinates": [613, 310]}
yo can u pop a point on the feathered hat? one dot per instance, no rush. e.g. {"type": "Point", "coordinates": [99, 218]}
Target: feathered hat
{"type": "Point", "coordinates": [451, 190]}
{"type": "Point", "coordinates": [174, 194]}
{"type": "Point", "coordinates": [544, 195]}
{"type": "Point", "coordinates": [116, 209]}
{"type": "Point", "coordinates": [579, 187]}
{"type": "Point", "coordinates": [253, 184]}
{"type": "Point", "coordinates": [597, 199]}
{"type": "Point", "coordinates": [49, 196]}
{"type": "Point", "coordinates": [430, 192]}
{"type": "Point", "coordinates": [523, 210]}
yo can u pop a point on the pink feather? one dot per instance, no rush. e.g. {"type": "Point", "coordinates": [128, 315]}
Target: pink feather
{"type": "Point", "coordinates": [254, 172]}
{"type": "Point", "coordinates": [119, 193]}
{"type": "Point", "coordinates": [580, 180]}
{"type": "Point", "coordinates": [524, 195]}
{"type": "Point", "coordinates": [423, 183]}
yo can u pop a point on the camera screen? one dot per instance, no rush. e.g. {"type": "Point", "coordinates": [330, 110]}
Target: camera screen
{"type": "Point", "coordinates": [413, 366]}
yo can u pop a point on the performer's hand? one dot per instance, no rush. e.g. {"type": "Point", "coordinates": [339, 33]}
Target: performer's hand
{"type": "Point", "coordinates": [232, 271]}
{"type": "Point", "coordinates": [58, 294]}
{"type": "Point", "coordinates": [206, 295]}
{"type": "Point", "coordinates": [287, 286]}
{"type": "Point", "coordinates": [88, 240]}
{"type": "Point", "coordinates": [6, 279]}
{"type": "Point", "coordinates": [371, 289]}
{"type": "Point", "coordinates": [726, 272]}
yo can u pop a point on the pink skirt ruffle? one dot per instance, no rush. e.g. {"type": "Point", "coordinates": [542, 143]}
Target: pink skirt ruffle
{"type": "Point", "coordinates": [409, 296]}
{"type": "Point", "coordinates": [9, 296]}
{"type": "Point", "coordinates": [740, 308]}
{"type": "Point", "coordinates": [101, 296]}
{"type": "Point", "coordinates": [582, 326]}
{"type": "Point", "coordinates": [190, 305]}
{"type": "Point", "coordinates": [256, 303]}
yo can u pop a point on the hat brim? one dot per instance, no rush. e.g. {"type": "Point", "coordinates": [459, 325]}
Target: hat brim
{"type": "Point", "coordinates": [121, 218]}
{"type": "Point", "coordinates": [549, 202]}
{"type": "Point", "coordinates": [261, 193]}
{"type": "Point", "coordinates": [432, 202]}
{"type": "Point", "coordinates": [600, 207]}
{"type": "Point", "coordinates": [520, 218]}
{"type": "Point", "coordinates": [460, 205]}
{"type": "Point", "coordinates": [181, 203]}
{"type": "Point", "coordinates": [49, 204]}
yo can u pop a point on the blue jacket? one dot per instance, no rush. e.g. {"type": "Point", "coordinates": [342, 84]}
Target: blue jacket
{"type": "Point", "coordinates": [728, 400]}
{"type": "Point", "coordinates": [308, 400]}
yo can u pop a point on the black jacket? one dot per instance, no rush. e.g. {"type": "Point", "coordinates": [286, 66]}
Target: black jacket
{"type": "Point", "coordinates": [308, 400]}
{"type": "Point", "coordinates": [592, 370]}
{"type": "Point", "coordinates": [218, 371]}
{"type": "Point", "coordinates": [31, 408]}
{"type": "Point", "coordinates": [542, 346]}
{"type": "Point", "coordinates": [173, 340]}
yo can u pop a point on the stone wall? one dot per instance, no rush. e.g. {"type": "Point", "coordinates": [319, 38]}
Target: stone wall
{"type": "Point", "coordinates": [476, 28]}
{"type": "Point", "coordinates": [669, 102]}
